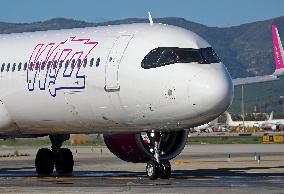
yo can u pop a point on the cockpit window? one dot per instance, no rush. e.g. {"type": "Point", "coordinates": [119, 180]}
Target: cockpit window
{"type": "Point", "coordinates": [151, 59]}
{"type": "Point", "coordinates": [188, 56]}
{"type": "Point", "coordinates": [169, 55]}
{"type": "Point", "coordinates": [209, 55]}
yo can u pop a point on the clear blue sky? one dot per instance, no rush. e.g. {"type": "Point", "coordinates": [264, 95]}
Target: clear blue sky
{"type": "Point", "coordinates": [208, 12]}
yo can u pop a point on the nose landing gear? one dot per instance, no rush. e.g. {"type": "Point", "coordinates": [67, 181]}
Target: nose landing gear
{"type": "Point", "coordinates": [155, 167]}
{"type": "Point", "coordinates": [61, 158]}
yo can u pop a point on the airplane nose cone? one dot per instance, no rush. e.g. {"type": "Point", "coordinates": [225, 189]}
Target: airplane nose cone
{"type": "Point", "coordinates": [211, 92]}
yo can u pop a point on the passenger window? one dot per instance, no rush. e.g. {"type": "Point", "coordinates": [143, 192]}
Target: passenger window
{"type": "Point", "coordinates": [8, 67]}
{"type": "Point", "coordinates": [42, 65]}
{"type": "Point", "coordinates": [92, 62]}
{"type": "Point", "coordinates": [85, 62]}
{"type": "Point", "coordinates": [98, 62]}
{"type": "Point", "coordinates": [66, 64]}
{"type": "Point", "coordinates": [14, 67]}
{"type": "Point", "coordinates": [73, 64]}
{"type": "Point", "coordinates": [31, 66]}
{"type": "Point", "coordinates": [37, 66]}
{"type": "Point", "coordinates": [48, 65]}
{"type": "Point", "coordinates": [3, 67]}
{"type": "Point", "coordinates": [19, 66]}
{"type": "Point", "coordinates": [60, 64]}
{"type": "Point", "coordinates": [54, 64]}
{"type": "Point", "coordinates": [84, 65]}
{"type": "Point", "coordinates": [79, 63]}
{"type": "Point", "coordinates": [25, 66]}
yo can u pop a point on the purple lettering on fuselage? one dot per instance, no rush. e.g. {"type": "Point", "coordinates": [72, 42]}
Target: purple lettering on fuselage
{"type": "Point", "coordinates": [56, 66]}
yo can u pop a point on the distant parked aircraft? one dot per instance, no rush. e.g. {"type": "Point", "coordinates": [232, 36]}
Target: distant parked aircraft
{"type": "Point", "coordinates": [274, 124]}
{"type": "Point", "coordinates": [231, 123]}
{"type": "Point", "coordinates": [205, 127]}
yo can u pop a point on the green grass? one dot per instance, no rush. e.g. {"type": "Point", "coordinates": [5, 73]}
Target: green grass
{"type": "Point", "coordinates": [100, 142]}
{"type": "Point", "coordinates": [26, 142]}
{"type": "Point", "coordinates": [44, 143]}
{"type": "Point", "coordinates": [224, 140]}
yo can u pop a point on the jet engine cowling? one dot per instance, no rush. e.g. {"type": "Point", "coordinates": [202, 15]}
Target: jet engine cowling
{"type": "Point", "coordinates": [137, 147]}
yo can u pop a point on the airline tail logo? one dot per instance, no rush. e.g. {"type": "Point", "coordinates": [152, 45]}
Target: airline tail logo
{"type": "Point", "coordinates": [278, 49]}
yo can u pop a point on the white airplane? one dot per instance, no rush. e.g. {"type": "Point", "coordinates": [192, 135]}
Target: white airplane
{"type": "Point", "coordinates": [124, 81]}
{"type": "Point", "coordinates": [273, 123]}
{"type": "Point", "coordinates": [205, 127]}
{"type": "Point", "coordinates": [279, 63]}
{"type": "Point", "coordinates": [231, 123]}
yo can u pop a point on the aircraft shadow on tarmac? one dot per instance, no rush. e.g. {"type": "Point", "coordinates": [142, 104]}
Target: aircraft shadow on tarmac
{"type": "Point", "coordinates": [177, 174]}
{"type": "Point", "coordinates": [226, 172]}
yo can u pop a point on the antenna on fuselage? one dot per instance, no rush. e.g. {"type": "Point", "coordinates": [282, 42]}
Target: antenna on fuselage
{"type": "Point", "coordinates": [150, 19]}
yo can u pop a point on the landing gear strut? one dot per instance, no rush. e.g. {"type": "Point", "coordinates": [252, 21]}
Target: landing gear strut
{"type": "Point", "coordinates": [61, 158]}
{"type": "Point", "coordinates": [155, 167]}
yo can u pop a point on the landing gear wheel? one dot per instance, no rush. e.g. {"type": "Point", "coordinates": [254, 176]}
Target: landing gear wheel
{"type": "Point", "coordinates": [44, 162]}
{"type": "Point", "coordinates": [165, 169]}
{"type": "Point", "coordinates": [64, 161]}
{"type": "Point", "coordinates": [152, 169]}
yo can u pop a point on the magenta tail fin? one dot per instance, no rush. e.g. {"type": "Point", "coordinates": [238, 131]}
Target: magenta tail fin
{"type": "Point", "coordinates": [278, 49]}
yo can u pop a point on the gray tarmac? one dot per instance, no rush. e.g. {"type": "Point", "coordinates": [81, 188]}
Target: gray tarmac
{"type": "Point", "coordinates": [199, 169]}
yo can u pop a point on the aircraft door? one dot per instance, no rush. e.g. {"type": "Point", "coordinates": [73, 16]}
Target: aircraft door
{"type": "Point", "coordinates": [113, 60]}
